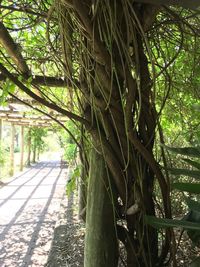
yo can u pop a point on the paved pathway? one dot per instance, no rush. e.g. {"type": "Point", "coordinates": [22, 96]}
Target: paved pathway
{"type": "Point", "coordinates": [29, 208]}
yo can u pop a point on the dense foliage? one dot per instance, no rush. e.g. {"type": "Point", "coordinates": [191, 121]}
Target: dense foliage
{"type": "Point", "coordinates": [126, 74]}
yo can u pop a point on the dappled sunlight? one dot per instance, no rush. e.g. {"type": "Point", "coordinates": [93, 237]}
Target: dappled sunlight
{"type": "Point", "coordinates": [29, 208]}
{"type": "Point", "coordinates": [68, 242]}
{"type": "Point", "coordinates": [94, 97]}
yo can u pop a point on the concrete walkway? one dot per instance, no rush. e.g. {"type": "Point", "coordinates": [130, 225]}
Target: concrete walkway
{"type": "Point", "coordinates": [29, 209]}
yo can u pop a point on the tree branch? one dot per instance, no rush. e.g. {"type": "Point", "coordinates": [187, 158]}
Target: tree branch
{"type": "Point", "coordinates": [44, 80]}
{"type": "Point", "coordinates": [48, 115]}
{"type": "Point", "coordinates": [13, 49]}
{"type": "Point", "coordinates": [24, 9]}
{"type": "Point", "coordinates": [42, 100]}
{"type": "Point", "coordinates": [193, 4]}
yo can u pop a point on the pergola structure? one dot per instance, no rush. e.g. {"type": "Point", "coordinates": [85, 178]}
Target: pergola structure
{"type": "Point", "coordinates": [19, 117]}
{"type": "Point", "coordinates": [16, 113]}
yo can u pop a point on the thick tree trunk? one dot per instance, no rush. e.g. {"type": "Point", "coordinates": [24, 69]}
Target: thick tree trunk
{"type": "Point", "coordinates": [119, 105]}
{"type": "Point", "coordinates": [101, 248]}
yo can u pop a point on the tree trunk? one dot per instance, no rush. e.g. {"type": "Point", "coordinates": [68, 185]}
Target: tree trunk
{"type": "Point", "coordinates": [118, 103]}
{"type": "Point", "coordinates": [101, 248]}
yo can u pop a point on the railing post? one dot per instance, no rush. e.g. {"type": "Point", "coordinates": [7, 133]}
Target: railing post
{"type": "Point", "coordinates": [29, 147]}
{"type": "Point", "coordinates": [1, 131]}
{"type": "Point", "coordinates": [12, 147]}
{"type": "Point", "coordinates": [22, 149]}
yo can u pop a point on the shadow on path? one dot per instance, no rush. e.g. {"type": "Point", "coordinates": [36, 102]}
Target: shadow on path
{"type": "Point", "coordinates": [27, 179]}
{"type": "Point", "coordinates": [29, 206]}
{"type": "Point", "coordinates": [68, 241]}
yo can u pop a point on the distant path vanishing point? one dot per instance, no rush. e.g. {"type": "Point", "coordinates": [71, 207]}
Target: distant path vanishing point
{"type": "Point", "coordinates": [29, 208]}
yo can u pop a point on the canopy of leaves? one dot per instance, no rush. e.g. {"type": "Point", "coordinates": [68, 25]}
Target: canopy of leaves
{"type": "Point", "coordinates": [119, 69]}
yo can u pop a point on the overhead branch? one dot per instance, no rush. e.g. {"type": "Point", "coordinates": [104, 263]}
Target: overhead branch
{"type": "Point", "coordinates": [149, 13]}
{"type": "Point", "coordinates": [24, 118]}
{"type": "Point", "coordinates": [45, 80]}
{"type": "Point", "coordinates": [24, 10]}
{"type": "Point", "coordinates": [42, 100]}
{"type": "Point", "coordinates": [83, 12]}
{"type": "Point", "coordinates": [30, 124]}
{"type": "Point", "coordinates": [51, 116]}
{"type": "Point", "coordinates": [13, 49]}
{"type": "Point", "coordinates": [193, 4]}
{"type": "Point", "coordinates": [12, 100]}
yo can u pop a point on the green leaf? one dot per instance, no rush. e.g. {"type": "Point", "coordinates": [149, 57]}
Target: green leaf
{"type": "Point", "coordinates": [193, 205]}
{"type": "Point", "coordinates": [185, 172]}
{"type": "Point", "coordinates": [30, 79]}
{"type": "Point", "coordinates": [195, 263]}
{"type": "Point", "coordinates": [187, 187]}
{"type": "Point", "coordinates": [192, 163]}
{"type": "Point", "coordinates": [76, 173]}
{"type": "Point", "coordinates": [194, 235]}
{"type": "Point", "coordinates": [187, 151]}
{"type": "Point", "coordinates": [11, 88]}
{"type": "Point", "coordinates": [196, 107]}
{"type": "Point", "coordinates": [165, 223]}
{"type": "Point", "coordinates": [20, 78]}
{"type": "Point", "coordinates": [71, 186]}
{"type": "Point", "coordinates": [3, 103]}
{"type": "Point", "coordinates": [5, 92]}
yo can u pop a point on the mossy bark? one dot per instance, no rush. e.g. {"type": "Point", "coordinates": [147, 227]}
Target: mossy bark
{"type": "Point", "coordinates": [101, 248]}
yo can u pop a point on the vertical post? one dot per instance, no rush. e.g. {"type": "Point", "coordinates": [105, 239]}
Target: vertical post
{"type": "Point", "coordinates": [29, 148]}
{"type": "Point", "coordinates": [38, 154]}
{"type": "Point", "coordinates": [34, 151]}
{"type": "Point", "coordinates": [12, 147]}
{"type": "Point", "coordinates": [1, 129]}
{"type": "Point", "coordinates": [22, 149]}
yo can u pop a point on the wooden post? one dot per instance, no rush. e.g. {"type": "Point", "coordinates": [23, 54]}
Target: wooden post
{"type": "Point", "coordinates": [1, 129]}
{"type": "Point", "coordinates": [38, 154]}
{"type": "Point", "coordinates": [29, 148]}
{"type": "Point", "coordinates": [34, 151]}
{"type": "Point", "coordinates": [22, 149]}
{"type": "Point", "coordinates": [12, 147]}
